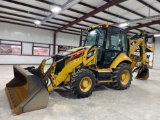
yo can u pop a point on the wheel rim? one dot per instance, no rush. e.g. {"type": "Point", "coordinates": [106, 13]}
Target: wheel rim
{"type": "Point", "coordinates": [125, 77]}
{"type": "Point", "coordinates": [85, 84]}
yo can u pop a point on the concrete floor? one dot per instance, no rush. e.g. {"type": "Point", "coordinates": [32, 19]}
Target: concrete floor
{"type": "Point", "coordinates": [140, 102]}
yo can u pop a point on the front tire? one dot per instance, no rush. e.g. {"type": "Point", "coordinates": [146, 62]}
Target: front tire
{"type": "Point", "coordinates": [121, 77]}
{"type": "Point", "coordinates": [83, 83]}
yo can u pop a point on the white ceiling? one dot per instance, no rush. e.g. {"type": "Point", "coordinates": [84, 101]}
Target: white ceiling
{"type": "Point", "coordinates": [26, 14]}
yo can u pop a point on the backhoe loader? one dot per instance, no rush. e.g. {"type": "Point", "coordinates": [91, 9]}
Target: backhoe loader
{"type": "Point", "coordinates": [106, 57]}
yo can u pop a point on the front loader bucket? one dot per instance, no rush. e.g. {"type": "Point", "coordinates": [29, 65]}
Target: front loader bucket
{"type": "Point", "coordinates": [143, 73]}
{"type": "Point", "coordinates": [26, 92]}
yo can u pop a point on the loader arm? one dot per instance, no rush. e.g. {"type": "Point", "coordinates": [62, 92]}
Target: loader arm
{"type": "Point", "coordinates": [80, 59]}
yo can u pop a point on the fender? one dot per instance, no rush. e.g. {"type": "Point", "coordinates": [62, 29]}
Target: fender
{"type": "Point", "coordinates": [122, 57]}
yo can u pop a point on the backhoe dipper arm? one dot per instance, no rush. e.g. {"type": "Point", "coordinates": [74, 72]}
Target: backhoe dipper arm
{"type": "Point", "coordinates": [143, 55]}
{"type": "Point", "coordinates": [143, 71]}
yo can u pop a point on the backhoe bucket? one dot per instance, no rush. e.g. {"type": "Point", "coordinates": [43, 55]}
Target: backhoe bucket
{"type": "Point", "coordinates": [143, 73]}
{"type": "Point", "coordinates": [26, 92]}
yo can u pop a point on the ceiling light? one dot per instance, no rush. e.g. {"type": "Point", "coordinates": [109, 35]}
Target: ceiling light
{"type": "Point", "coordinates": [37, 22]}
{"type": "Point", "coordinates": [123, 24]}
{"type": "Point", "coordinates": [56, 9]}
{"type": "Point", "coordinates": [156, 35]}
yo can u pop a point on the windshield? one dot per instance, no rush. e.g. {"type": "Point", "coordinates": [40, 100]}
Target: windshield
{"type": "Point", "coordinates": [95, 37]}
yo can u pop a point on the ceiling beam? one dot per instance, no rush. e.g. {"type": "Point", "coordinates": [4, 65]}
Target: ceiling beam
{"type": "Point", "coordinates": [38, 8]}
{"type": "Point", "coordinates": [65, 6]}
{"type": "Point", "coordinates": [15, 23]}
{"type": "Point", "coordinates": [144, 25]}
{"type": "Point", "coordinates": [55, 18]}
{"type": "Point", "coordinates": [31, 18]}
{"type": "Point", "coordinates": [4, 21]}
{"type": "Point", "coordinates": [115, 15]}
{"type": "Point", "coordinates": [32, 13]}
{"type": "Point", "coordinates": [77, 18]}
{"type": "Point", "coordinates": [27, 5]}
{"type": "Point", "coordinates": [25, 21]}
{"type": "Point", "coordinates": [31, 6]}
{"type": "Point", "coordinates": [148, 5]}
{"type": "Point", "coordinates": [70, 33]}
{"type": "Point", "coordinates": [104, 11]}
{"type": "Point", "coordinates": [29, 22]}
{"type": "Point", "coordinates": [136, 13]}
{"type": "Point", "coordinates": [103, 7]}
{"type": "Point", "coordinates": [153, 28]}
{"type": "Point", "coordinates": [40, 15]}
{"type": "Point", "coordinates": [88, 20]}
{"type": "Point", "coordinates": [50, 3]}
{"type": "Point", "coordinates": [153, 8]}
{"type": "Point", "coordinates": [20, 10]}
{"type": "Point", "coordinates": [80, 12]}
{"type": "Point", "coordinates": [129, 10]}
{"type": "Point", "coordinates": [86, 5]}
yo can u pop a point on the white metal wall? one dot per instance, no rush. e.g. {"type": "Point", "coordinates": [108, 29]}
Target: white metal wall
{"type": "Point", "coordinates": [17, 32]}
{"type": "Point", "coordinates": [67, 39]}
{"type": "Point", "coordinates": [28, 34]}
{"type": "Point", "coordinates": [156, 59]}
{"type": "Point", "coordinates": [14, 59]}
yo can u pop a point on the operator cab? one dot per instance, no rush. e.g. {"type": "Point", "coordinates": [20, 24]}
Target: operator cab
{"type": "Point", "coordinates": [111, 41]}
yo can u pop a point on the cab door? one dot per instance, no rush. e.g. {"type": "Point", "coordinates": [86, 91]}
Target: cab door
{"type": "Point", "coordinates": [115, 44]}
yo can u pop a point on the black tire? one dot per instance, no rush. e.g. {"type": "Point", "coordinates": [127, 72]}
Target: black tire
{"type": "Point", "coordinates": [76, 81]}
{"type": "Point", "coordinates": [117, 82]}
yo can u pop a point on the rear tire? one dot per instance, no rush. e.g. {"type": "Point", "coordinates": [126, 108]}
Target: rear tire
{"type": "Point", "coordinates": [121, 77]}
{"type": "Point", "coordinates": [83, 83]}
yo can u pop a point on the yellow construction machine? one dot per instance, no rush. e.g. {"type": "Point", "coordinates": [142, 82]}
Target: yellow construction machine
{"type": "Point", "coordinates": [107, 56]}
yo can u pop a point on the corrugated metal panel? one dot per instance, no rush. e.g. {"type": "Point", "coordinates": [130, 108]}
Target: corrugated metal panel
{"type": "Point", "coordinates": [57, 21]}
{"type": "Point", "coordinates": [26, 8]}
{"type": "Point", "coordinates": [65, 18]}
{"type": "Point", "coordinates": [74, 14]}
{"type": "Point", "coordinates": [132, 4]}
{"type": "Point", "coordinates": [155, 4]}
{"type": "Point", "coordinates": [73, 29]}
{"type": "Point", "coordinates": [20, 13]}
{"type": "Point", "coordinates": [131, 16]}
{"type": "Point", "coordinates": [147, 29]}
{"type": "Point", "coordinates": [21, 33]}
{"type": "Point", "coordinates": [157, 26]}
{"type": "Point", "coordinates": [146, 11]}
{"type": "Point", "coordinates": [79, 26]}
{"type": "Point", "coordinates": [136, 31]}
{"type": "Point", "coordinates": [96, 20]}
{"type": "Point", "coordinates": [114, 9]}
{"type": "Point", "coordinates": [156, 59]}
{"type": "Point", "coordinates": [96, 3]}
{"type": "Point", "coordinates": [65, 39]}
{"type": "Point", "coordinates": [82, 8]}
{"type": "Point", "coordinates": [86, 23]}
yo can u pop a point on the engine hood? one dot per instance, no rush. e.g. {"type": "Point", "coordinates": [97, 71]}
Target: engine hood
{"type": "Point", "coordinates": [78, 48]}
